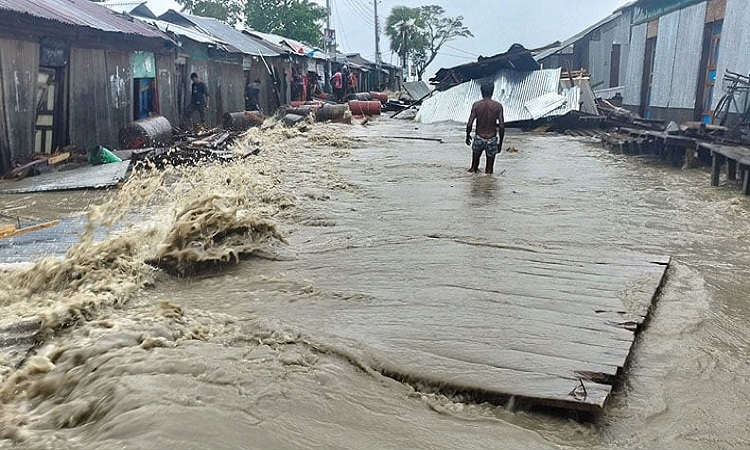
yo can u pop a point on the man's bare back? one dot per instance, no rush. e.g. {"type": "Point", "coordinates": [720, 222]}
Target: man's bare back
{"type": "Point", "coordinates": [489, 117]}
{"type": "Point", "coordinates": [488, 114]}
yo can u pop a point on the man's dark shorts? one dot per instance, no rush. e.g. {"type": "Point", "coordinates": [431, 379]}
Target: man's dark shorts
{"type": "Point", "coordinates": [490, 146]}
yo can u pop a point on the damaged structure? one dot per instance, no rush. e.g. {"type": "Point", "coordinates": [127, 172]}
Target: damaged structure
{"type": "Point", "coordinates": [528, 92]}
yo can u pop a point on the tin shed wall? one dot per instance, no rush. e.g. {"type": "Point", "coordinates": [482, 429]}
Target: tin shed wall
{"type": "Point", "coordinates": [679, 47]}
{"type": "Point", "coordinates": [664, 60]}
{"type": "Point", "coordinates": [19, 69]}
{"type": "Point", "coordinates": [101, 97]}
{"type": "Point", "coordinates": [227, 89]}
{"type": "Point", "coordinates": [166, 82]}
{"type": "Point", "coordinates": [633, 79]}
{"type": "Point", "coordinates": [735, 42]}
{"type": "Point", "coordinates": [600, 51]}
{"type": "Point", "coordinates": [688, 57]}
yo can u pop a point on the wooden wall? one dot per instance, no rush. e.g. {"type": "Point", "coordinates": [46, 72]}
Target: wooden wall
{"type": "Point", "coordinates": [101, 97]}
{"type": "Point", "coordinates": [19, 68]}
{"type": "Point", "coordinates": [168, 86]}
{"type": "Point", "coordinates": [226, 84]}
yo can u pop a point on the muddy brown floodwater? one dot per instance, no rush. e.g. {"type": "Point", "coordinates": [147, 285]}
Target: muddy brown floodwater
{"type": "Point", "coordinates": [252, 356]}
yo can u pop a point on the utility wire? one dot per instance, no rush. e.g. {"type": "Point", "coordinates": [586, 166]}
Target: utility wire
{"type": "Point", "coordinates": [475, 55]}
{"type": "Point", "coordinates": [337, 18]}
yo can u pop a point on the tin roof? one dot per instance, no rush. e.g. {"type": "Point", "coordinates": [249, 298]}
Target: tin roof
{"type": "Point", "coordinates": [295, 46]}
{"type": "Point", "coordinates": [179, 30]}
{"type": "Point", "coordinates": [223, 32]}
{"type": "Point", "coordinates": [132, 7]}
{"type": "Point", "coordinates": [81, 13]}
{"type": "Point", "coordinates": [577, 37]}
{"type": "Point", "coordinates": [516, 58]}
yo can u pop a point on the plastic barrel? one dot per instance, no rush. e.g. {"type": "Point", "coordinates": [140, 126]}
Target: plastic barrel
{"type": "Point", "coordinates": [152, 132]}
{"type": "Point", "coordinates": [365, 108]}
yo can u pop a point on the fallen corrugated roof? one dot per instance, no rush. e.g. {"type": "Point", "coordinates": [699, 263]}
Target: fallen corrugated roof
{"type": "Point", "coordinates": [515, 90]}
{"type": "Point", "coordinates": [81, 13]}
{"type": "Point", "coordinates": [516, 58]}
{"type": "Point", "coordinates": [234, 40]}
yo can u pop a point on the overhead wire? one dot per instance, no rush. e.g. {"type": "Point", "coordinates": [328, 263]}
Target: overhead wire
{"type": "Point", "coordinates": [339, 23]}
{"type": "Point", "coordinates": [475, 55]}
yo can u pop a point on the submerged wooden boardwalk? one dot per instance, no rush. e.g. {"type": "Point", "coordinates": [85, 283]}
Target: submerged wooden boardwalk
{"type": "Point", "coordinates": [551, 327]}
{"type": "Point", "coordinates": [548, 327]}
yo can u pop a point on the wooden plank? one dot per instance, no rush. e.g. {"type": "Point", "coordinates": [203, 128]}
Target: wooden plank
{"type": "Point", "coordinates": [58, 158]}
{"type": "Point", "coordinates": [10, 230]}
{"type": "Point", "coordinates": [717, 162]}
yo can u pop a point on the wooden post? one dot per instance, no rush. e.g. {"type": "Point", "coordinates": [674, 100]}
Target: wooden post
{"type": "Point", "coordinates": [717, 163]}
{"type": "Point", "coordinates": [731, 169]}
{"type": "Point", "coordinates": [745, 179]}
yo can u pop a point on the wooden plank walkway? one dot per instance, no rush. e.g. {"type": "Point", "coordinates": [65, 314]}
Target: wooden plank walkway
{"type": "Point", "coordinates": [735, 159]}
{"type": "Point", "coordinates": [546, 327]}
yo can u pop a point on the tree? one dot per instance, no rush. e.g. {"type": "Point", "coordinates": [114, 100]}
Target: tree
{"type": "Point", "coordinates": [420, 33]}
{"type": "Point", "coordinates": [297, 19]}
{"type": "Point", "coordinates": [404, 29]}
{"type": "Point", "coordinates": [229, 11]}
{"type": "Point", "coordinates": [438, 30]}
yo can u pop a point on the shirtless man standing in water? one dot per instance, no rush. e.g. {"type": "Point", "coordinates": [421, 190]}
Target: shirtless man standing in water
{"type": "Point", "coordinates": [490, 129]}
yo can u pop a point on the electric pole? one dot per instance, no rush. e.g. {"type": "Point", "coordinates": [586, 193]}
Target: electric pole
{"type": "Point", "coordinates": [378, 56]}
{"type": "Point", "coordinates": [330, 42]}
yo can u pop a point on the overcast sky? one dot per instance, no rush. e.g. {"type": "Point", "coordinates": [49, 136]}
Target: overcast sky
{"type": "Point", "coordinates": [496, 24]}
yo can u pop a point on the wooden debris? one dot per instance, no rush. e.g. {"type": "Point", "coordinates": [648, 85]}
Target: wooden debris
{"type": "Point", "coordinates": [10, 230]}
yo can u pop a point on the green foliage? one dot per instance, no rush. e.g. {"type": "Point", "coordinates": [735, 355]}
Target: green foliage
{"type": "Point", "coordinates": [404, 29]}
{"type": "Point", "coordinates": [296, 19]}
{"type": "Point", "coordinates": [420, 33]}
{"type": "Point", "coordinates": [229, 11]}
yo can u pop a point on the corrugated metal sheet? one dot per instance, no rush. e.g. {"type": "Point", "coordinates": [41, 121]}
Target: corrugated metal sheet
{"type": "Point", "coordinates": [417, 89]}
{"type": "Point", "coordinates": [82, 13]}
{"type": "Point", "coordinates": [664, 60]}
{"type": "Point", "coordinates": [220, 30]}
{"type": "Point", "coordinates": [634, 79]}
{"type": "Point", "coordinates": [573, 39]}
{"type": "Point", "coordinates": [296, 47]}
{"type": "Point", "coordinates": [586, 99]}
{"type": "Point", "coordinates": [600, 50]}
{"type": "Point", "coordinates": [512, 88]}
{"type": "Point", "coordinates": [687, 60]}
{"type": "Point", "coordinates": [679, 46]}
{"type": "Point", "coordinates": [132, 7]}
{"type": "Point", "coordinates": [735, 42]}
{"type": "Point", "coordinates": [190, 33]}
{"type": "Point", "coordinates": [541, 106]}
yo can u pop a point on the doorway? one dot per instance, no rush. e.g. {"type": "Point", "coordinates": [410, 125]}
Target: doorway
{"type": "Point", "coordinates": [49, 130]}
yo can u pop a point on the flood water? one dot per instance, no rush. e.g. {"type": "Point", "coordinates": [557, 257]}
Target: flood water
{"type": "Point", "coordinates": [258, 355]}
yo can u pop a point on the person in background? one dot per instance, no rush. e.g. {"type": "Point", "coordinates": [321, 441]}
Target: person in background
{"type": "Point", "coordinates": [252, 96]}
{"type": "Point", "coordinates": [337, 80]}
{"type": "Point", "coordinates": [490, 132]}
{"type": "Point", "coordinates": [345, 81]}
{"type": "Point", "coordinates": [199, 99]}
{"type": "Point", "coordinates": [353, 84]}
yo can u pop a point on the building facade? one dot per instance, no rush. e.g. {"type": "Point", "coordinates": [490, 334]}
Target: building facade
{"type": "Point", "coordinates": [665, 58]}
